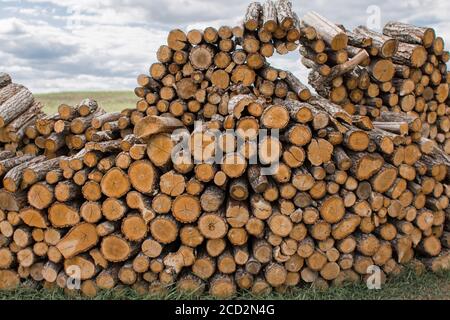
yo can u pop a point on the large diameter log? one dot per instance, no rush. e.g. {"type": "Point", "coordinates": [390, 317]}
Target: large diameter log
{"type": "Point", "coordinates": [63, 215]}
{"type": "Point", "coordinates": [13, 179]}
{"type": "Point", "coordinates": [186, 208]}
{"type": "Point", "coordinates": [201, 57]}
{"type": "Point", "coordinates": [115, 183]}
{"type": "Point", "coordinates": [9, 91]}
{"type": "Point", "coordinates": [382, 70]}
{"type": "Point", "coordinates": [366, 165]}
{"type": "Point", "coordinates": [34, 218]}
{"type": "Point", "coordinates": [142, 175]}
{"type": "Point", "coordinates": [164, 229]}
{"type": "Point", "coordinates": [329, 32]}
{"type": "Point", "coordinates": [332, 210]}
{"type": "Point", "coordinates": [152, 125]}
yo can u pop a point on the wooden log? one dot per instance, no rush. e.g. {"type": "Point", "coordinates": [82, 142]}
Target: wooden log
{"type": "Point", "coordinates": [269, 16]}
{"type": "Point", "coordinates": [213, 225]}
{"type": "Point", "coordinates": [285, 15]}
{"type": "Point", "coordinates": [385, 45]}
{"type": "Point", "coordinates": [410, 34]}
{"type": "Point", "coordinates": [299, 88]}
{"type": "Point", "coordinates": [252, 17]}
{"type": "Point", "coordinates": [34, 218]}
{"type": "Point", "coordinates": [410, 55]}
{"type": "Point", "coordinates": [329, 32]}
{"type": "Point", "coordinates": [152, 125]}
{"type": "Point", "coordinates": [186, 208]}
{"type": "Point", "coordinates": [79, 239]}
{"type": "Point", "coordinates": [115, 183]}
{"type": "Point", "coordinates": [13, 179]}
{"type": "Point", "coordinates": [10, 162]}
{"type": "Point", "coordinates": [115, 249]}
{"type": "Point", "coordinates": [164, 229]}
{"type": "Point", "coordinates": [15, 106]}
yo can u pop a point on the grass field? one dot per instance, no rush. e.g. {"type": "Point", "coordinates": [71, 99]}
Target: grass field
{"type": "Point", "coordinates": [406, 286]}
{"type": "Point", "coordinates": [108, 100]}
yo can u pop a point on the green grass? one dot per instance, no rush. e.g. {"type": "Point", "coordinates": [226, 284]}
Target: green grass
{"type": "Point", "coordinates": [407, 286]}
{"type": "Point", "coordinates": [108, 100]}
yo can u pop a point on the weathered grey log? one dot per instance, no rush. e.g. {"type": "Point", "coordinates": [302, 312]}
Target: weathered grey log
{"type": "Point", "coordinates": [15, 106]}
{"type": "Point", "coordinates": [411, 34]}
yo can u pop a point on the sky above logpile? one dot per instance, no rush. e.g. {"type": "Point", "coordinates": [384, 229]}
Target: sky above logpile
{"type": "Point", "coordinates": [68, 45]}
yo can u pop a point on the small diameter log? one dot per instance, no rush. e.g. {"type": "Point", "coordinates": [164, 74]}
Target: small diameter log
{"type": "Point", "coordinates": [299, 88]}
{"type": "Point", "coordinates": [269, 16]}
{"type": "Point", "coordinates": [386, 46]}
{"type": "Point", "coordinates": [164, 229]}
{"type": "Point", "coordinates": [285, 15]}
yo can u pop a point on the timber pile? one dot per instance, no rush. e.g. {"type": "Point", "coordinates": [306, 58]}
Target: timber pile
{"type": "Point", "coordinates": [18, 110]}
{"type": "Point", "coordinates": [117, 199]}
{"type": "Point", "coordinates": [398, 74]}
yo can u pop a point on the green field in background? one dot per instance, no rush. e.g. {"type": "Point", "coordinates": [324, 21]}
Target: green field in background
{"type": "Point", "coordinates": [407, 286]}
{"type": "Point", "coordinates": [108, 100]}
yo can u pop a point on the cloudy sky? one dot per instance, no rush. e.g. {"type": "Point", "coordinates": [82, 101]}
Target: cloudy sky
{"type": "Point", "coordinates": [66, 45]}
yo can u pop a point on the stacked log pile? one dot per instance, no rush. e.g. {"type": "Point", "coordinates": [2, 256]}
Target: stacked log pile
{"type": "Point", "coordinates": [402, 70]}
{"type": "Point", "coordinates": [113, 197]}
